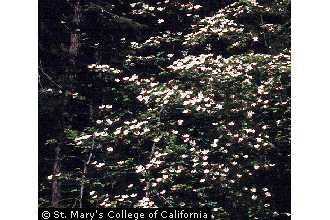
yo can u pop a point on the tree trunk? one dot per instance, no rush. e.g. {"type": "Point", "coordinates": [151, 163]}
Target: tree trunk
{"type": "Point", "coordinates": [75, 33]}
{"type": "Point", "coordinates": [56, 186]}
{"type": "Point", "coordinates": [73, 55]}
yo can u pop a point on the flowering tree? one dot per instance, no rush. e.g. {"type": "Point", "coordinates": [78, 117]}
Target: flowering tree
{"type": "Point", "coordinates": [198, 114]}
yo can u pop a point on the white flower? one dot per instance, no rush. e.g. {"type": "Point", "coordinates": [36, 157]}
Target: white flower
{"type": "Point", "coordinates": [218, 106]}
{"type": "Point", "coordinates": [91, 193]}
{"type": "Point", "coordinates": [100, 165]}
{"type": "Point", "coordinates": [50, 177]}
{"type": "Point", "coordinates": [206, 151]}
{"type": "Point", "coordinates": [256, 166]}
{"type": "Point", "coordinates": [120, 162]}
{"type": "Point", "coordinates": [139, 169]}
{"type": "Point", "coordinates": [254, 197]}
{"type": "Point", "coordinates": [130, 186]}
{"type": "Point", "coordinates": [124, 196]}
{"type": "Point", "coordinates": [110, 149]}
{"type": "Point", "coordinates": [98, 121]}
{"type": "Point", "coordinates": [249, 114]}
{"type": "Point", "coordinates": [180, 122]}
{"type": "Point", "coordinates": [160, 21]}
{"type": "Point", "coordinates": [256, 146]}
{"type": "Point", "coordinates": [267, 194]}
{"type": "Point", "coordinates": [133, 195]}
{"type": "Point", "coordinates": [206, 171]}
{"type": "Point", "coordinates": [255, 38]}
{"type": "Point", "coordinates": [117, 131]}
{"type": "Point", "coordinates": [156, 140]}
{"type": "Point", "coordinates": [202, 180]}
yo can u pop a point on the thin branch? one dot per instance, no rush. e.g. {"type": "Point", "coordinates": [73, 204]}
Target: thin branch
{"type": "Point", "coordinates": [49, 78]}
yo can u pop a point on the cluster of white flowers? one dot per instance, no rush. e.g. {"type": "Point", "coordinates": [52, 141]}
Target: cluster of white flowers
{"type": "Point", "coordinates": [218, 25]}
{"type": "Point", "coordinates": [216, 133]}
{"type": "Point", "coordinates": [155, 41]}
{"type": "Point", "coordinates": [146, 202]}
{"type": "Point", "coordinates": [103, 68]}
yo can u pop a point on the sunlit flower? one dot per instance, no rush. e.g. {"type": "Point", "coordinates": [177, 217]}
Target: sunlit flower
{"type": "Point", "coordinates": [139, 169]}
{"type": "Point", "coordinates": [206, 151]}
{"type": "Point", "coordinates": [156, 140]}
{"type": "Point", "coordinates": [100, 165]}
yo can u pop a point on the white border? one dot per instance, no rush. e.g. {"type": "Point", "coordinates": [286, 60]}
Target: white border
{"type": "Point", "coordinates": [310, 110]}
{"type": "Point", "coordinates": [18, 115]}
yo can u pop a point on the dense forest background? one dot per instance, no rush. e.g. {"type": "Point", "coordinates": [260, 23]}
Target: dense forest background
{"type": "Point", "coordinates": [166, 104]}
